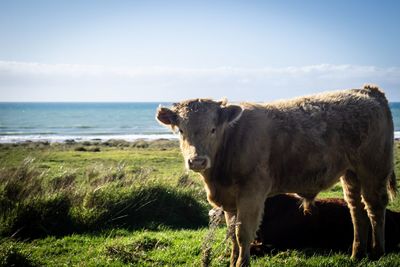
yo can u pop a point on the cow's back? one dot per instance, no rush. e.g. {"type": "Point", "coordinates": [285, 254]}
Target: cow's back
{"type": "Point", "coordinates": [311, 139]}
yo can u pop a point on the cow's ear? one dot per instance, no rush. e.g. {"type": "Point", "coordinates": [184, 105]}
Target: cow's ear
{"type": "Point", "coordinates": [166, 116]}
{"type": "Point", "coordinates": [231, 114]}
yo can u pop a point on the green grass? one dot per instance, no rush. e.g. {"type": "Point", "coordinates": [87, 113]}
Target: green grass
{"type": "Point", "coordinates": [120, 204]}
{"type": "Point", "coordinates": [162, 158]}
{"type": "Point", "coordinates": [161, 248]}
{"type": "Point", "coordinates": [116, 248]}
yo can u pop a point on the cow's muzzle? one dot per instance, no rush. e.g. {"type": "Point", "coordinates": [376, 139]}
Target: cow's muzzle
{"type": "Point", "coordinates": [198, 163]}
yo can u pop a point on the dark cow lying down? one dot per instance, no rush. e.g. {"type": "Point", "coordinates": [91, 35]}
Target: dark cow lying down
{"type": "Point", "coordinates": [328, 226]}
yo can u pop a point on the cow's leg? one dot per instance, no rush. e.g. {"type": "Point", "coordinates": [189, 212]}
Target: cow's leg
{"type": "Point", "coordinates": [249, 214]}
{"type": "Point", "coordinates": [376, 199]}
{"type": "Point", "coordinates": [230, 219]}
{"type": "Point", "coordinates": [352, 194]}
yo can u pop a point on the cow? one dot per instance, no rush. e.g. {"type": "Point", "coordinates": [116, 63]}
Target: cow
{"type": "Point", "coordinates": [248, 152]}
{"type": "Point", "coordinates": [326, 226]}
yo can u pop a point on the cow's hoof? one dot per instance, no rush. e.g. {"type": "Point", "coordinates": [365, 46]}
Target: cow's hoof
{"type": "Point", "coordinates": [376, 255]}
{"type": "Point", "coordinates": [358, 255]}
{"type": "Point", "coordinates": [245, 262]}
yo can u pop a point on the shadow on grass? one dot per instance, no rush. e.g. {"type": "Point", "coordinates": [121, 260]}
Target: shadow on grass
{"type": "Point", "coordinates": [39, 218]}
{"type": "Point", "coordinates": [263, 250]}
{"type": "Point", "coordinates": [266, 250]}
{"type": "Point", "coordinates": [149, 207]}
{"type": "Point", "coordinates": [12, 256]}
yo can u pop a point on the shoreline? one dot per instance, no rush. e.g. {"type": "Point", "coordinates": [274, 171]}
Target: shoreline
{"type": "Point", "coordinates": [82, 138]}
{"type": "Point", "coordinates": [13, 139]}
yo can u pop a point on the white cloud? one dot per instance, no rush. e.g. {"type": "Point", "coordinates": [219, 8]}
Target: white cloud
{"type": "Point", "coordinates": [21, 81]}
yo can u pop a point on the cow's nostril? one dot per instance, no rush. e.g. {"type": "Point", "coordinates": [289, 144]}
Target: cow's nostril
{"type": "Point", "coordinates": [202, 162]}
{"type": "Point", "coordinates": [197, 163]}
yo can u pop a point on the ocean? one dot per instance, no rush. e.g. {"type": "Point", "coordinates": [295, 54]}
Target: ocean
{"type": "Point", "coordinates": [57, 122]}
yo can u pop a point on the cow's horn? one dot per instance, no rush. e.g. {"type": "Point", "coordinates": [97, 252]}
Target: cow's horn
{"type": "Point", "coordinates": [223, 101]}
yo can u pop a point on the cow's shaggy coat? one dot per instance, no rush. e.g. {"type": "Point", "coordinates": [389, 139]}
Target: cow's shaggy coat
{"type": "Point", "coordinates": [246, 153]}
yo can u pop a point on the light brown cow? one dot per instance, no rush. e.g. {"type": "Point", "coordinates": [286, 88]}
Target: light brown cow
{"type": "Point", "coordinates": [248, 152]}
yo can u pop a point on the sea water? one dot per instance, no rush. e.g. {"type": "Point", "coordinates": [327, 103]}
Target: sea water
{"type": "Point", "coordinates": [86, 121]}
{"type": "Point", "coordinates": [79, 121]}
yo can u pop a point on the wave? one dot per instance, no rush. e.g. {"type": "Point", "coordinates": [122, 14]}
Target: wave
{"type": "Point", "coordinates": [63, 138]}
{"type": "Point", "coordinates": [74, 132]}
{"type": "Point", "coordinates": [25, 133]}
{"type": "Point", "coordinates": [83, 127]}
{"type": "Point", "coordinates": [19, 127]}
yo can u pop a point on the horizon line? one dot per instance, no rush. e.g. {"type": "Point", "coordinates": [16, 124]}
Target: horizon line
{"type": "Point", "coordinates": [123, 102]}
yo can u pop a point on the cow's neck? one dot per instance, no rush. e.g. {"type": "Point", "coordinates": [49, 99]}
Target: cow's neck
{"type": "Point", "coordinates": [220, 180]}
{"type": "Point", "coordinates": [222, 166]}
{"type": "Point", "coordinates": [217, 179]}
{"type": "Point", "coordinates": [220, 193]}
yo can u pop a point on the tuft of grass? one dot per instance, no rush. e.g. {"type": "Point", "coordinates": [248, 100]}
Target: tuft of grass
{"type": "Point", "coordinates": [109, 197]}
{"type": "Point", "coordinates": [124, 255]}
{"type": "Point", "coordinates": [140, 144]}
{"type": "Point", "coordinates": [216, 215]}
{"type": "Point", "coordinates": [94, 149]}
{"type": "Point", "coordinates": [136, 252]}
{"type": "Point", "coordinates": [63, 182]}
{"type": "Point", "coordinates": [21, 182]}
{"type": "Point", "coordinates": [11, 255]}
{"type": "Point", "coordinates": [80, 148]}
{"type": "Point", "coordinates": [85, 149]}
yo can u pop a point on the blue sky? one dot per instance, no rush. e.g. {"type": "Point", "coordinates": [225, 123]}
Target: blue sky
{"type": "Point", "coordinates": [171, 50]}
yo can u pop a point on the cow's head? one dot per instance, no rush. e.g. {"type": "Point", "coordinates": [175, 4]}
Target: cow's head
{"type": "Point", "coordinates": [201, 124]}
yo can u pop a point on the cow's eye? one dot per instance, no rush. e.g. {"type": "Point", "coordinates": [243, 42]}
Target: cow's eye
{"type": "Point", "coordinates": [213, 130]}
{"type": "Point", "coordinates": [180, 130]}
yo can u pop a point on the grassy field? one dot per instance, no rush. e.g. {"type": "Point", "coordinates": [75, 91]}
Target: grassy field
{"type": "Point", "coordinates": [118, 203]}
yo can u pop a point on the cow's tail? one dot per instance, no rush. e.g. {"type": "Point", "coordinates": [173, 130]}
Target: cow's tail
{"type": "Point", "coordinates": [392, 186]}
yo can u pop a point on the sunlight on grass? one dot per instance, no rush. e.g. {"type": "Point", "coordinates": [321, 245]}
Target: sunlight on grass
{"type": "Point", "coordinates": [120, 204]}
